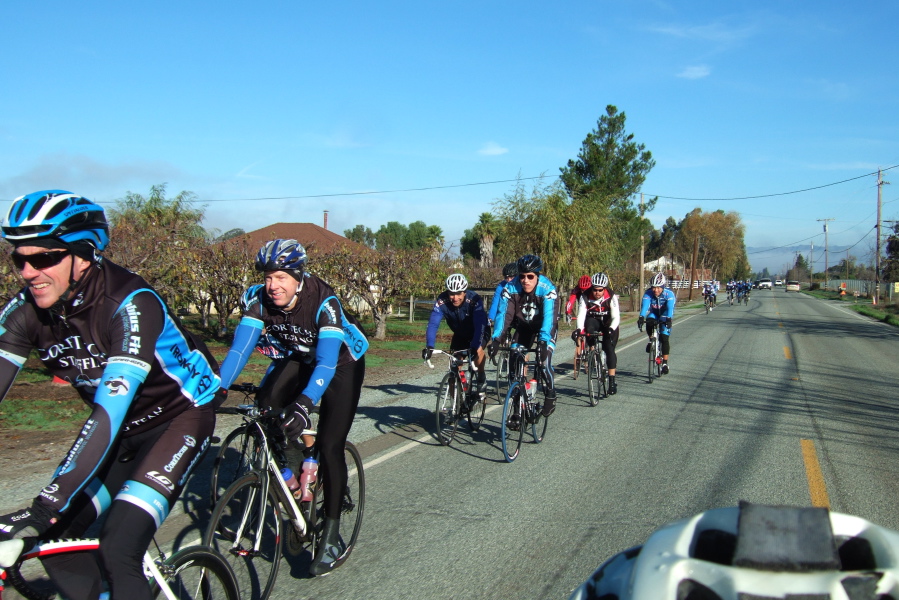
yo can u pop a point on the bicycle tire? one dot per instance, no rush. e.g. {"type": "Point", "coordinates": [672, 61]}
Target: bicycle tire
{"type": "Point", "coordinates": [592, 378]}
{"type": "Point", "coordinates": [540, 422]}
{"type": "Point", "coordinates": [652, 360]}
{"type": "Point", "coordinates": [42, 589]}
{"type": "Point", "coordinates": [502, 375]}
{"type": "Point", "coordinates": [657, 352]}
{"type": "Point", "coordinates": [512, 438]}
{"type": "Point", "coordinates": [476, 411]}
{"type": "Point", "coordinates": [448, 406]}
{"type": "Point", "coordinates": [577, 362]}
{"type": "Point", "coordinates": [352, 505]}
{"type": "Point", "coordinates": [603, 374]}
{"type": "Point", "coordinates": [232, 532]}
{"type": "Point", "coordinates": [197, 572]}
{"type": "Point", "coordinates": [240, 453]}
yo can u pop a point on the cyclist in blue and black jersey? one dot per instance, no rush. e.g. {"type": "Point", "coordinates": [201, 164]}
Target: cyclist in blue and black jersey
{"type": "Point", "coordinates": [325, 366]}
{"type": "Point", "coordinates": [657, 309]}
{"type": "Point", "coordinates": [528, 305]}
{"type": "Point", "coordinates": [150, 386]}
{"type": "Point", "coordinates": [510, 271]}
{"type": "Point", "coordinates": [464, 313]}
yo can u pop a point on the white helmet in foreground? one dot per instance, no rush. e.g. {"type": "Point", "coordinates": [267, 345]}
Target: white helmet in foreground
{"type": "Point", "coordinates": [754, 551]}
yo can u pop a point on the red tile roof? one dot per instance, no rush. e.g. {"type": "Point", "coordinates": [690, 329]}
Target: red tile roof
{"type": "Point", "coordinates": [313, 237]}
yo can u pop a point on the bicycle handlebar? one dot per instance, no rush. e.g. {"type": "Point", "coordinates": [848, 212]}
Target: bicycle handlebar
{"type": "Point", "coordinates": [463, 355]}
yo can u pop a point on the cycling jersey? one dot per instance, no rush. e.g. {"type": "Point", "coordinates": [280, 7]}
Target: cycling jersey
{"type": "Point", "coordinates": [467, 321]}
{"type": "Point", "coordinates": [117, 343]}
{"type": "Point", "coordinates": [315, 330]}
{"type": "Point", "coordinates": [605, 310]}
{"type": "Point", "coordinates": [658, 308]}
{"type": "Point", "coordinates": [534, 312]}
{"type": "Point", "coordinates": [494, 302]}
{"type": "Point", "coordinates": [573, 297]}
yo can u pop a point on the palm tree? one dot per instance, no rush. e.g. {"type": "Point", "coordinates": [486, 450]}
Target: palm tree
{"type": "Point", "coordinates": [485, 230]}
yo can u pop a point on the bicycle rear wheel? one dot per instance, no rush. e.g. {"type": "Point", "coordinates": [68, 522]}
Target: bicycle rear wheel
{"type": "Point", "coordinates": [603, 373]}
{"type": "Point", "coordinates": [593, 385]}
{"type": "Point", "coordinates": [241, 452]}
{"type": "Point", "coordinates": [352, 504]}
{"type": "Point", "coordinates": [577, 362]}
{"type": "Point", "coordinates": [513, 422]}
{"type": "Point", "coordinates": [449, 396]}
{"type": "Point", "coordinates": [197, 572]}
{"type": "Point", "coordinates": [245, 528]}
{"type": "Point", "coordinates": [539, 424]}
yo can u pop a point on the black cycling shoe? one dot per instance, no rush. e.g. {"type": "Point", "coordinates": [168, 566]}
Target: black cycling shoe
{"type": "Point", "coordinates": [330, 549]}
{"type": "Point", "coordinates": [664, 368]}
{"type": "Point", "coordinates": [613, 388]}
{"type": "Point", "coordinates": [549, 406]}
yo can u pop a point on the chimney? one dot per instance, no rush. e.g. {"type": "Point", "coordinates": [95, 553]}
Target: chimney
{"type": "Point", "coordinates": [326, 220]}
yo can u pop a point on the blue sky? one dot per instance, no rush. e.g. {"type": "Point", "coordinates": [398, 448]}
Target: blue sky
{"type": "Point", "coordinates": [286, 99]}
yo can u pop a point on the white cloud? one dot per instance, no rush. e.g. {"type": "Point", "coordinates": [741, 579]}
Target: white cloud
{"type": "Point", "coordinates": [492, 149]}
{"type": "Point", "coordinates": [714, 32]}
{"type": "Point", "coordinates": [695, 72]}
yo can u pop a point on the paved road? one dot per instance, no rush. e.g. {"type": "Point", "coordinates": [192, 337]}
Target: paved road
{"type": "Point", "coordinates": [758, 396]}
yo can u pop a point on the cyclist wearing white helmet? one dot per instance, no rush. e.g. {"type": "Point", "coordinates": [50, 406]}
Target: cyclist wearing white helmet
{"type": "Point", "coordinates": [324, 365]}
{"type": "Point", "coordinates": [657, 308]}
{"type": "Point", "coordinates": [150, 386]}
{"type": "Point", "coordinates": [598, 313]}
{"type": "Point", "coordinates": [463, 310]}
{"type": "Point", "coordinates": [754, 552]}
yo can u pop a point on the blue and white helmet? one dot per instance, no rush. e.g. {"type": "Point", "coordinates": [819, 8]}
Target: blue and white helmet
{"type": "Point", "coordinates": [659, 281]}
{"type": "Point", "coordinates": [282, 255]}
{"type": "Point", "coordinates": [55, 215]}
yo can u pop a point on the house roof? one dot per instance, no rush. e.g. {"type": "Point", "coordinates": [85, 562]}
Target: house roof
{"type": "Point", "coordinates": [313, 237]}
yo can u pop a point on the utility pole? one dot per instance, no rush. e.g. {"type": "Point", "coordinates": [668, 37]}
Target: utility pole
{"type": "Point", "coordinates": [825, 251]}
{"type": "Point", "coordinates": [642, 257]}
{"type": "Point", "coordinates": [693, 266]}
{"type": "Point", "coordinates": [811, 265]}
{"type": "Point", "coordinates": [847, 263]}
{"type": "Point", "coordinates": [880, 184]}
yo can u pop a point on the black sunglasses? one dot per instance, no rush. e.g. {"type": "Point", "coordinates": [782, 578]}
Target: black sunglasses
{"type": "Point", "coordinates": [527, 276]}
{"type": "Point", "coordinates": [39, 261]}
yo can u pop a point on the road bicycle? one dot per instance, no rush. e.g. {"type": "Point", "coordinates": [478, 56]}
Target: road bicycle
{"type": "Point", "coordinates": [709, 303]}
{"type": "Point", "coordinates": [597, 371]}
{"type": "Point", "coordinates": [654, 370]}
{"type": "Point", "coordinates": [246, 521]}
{"type": "Point", "coordinates": [501, 360]}
{"type": "Point", "coordinates": [730, 298]}
{"type": "Point", "coordinates": [521, 407]}
{"type": "Point", "coordinates": [579, 356]}
{"type": "Point", "coordinates": [746, 299]}
{"type": "Point", "coordinates": [193, 572]}
{"type": "Point", "coordinates": [457, 396]}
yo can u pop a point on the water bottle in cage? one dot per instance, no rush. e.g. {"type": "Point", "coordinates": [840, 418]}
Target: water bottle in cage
{"type": "Point", "coordinates": [531, 387]}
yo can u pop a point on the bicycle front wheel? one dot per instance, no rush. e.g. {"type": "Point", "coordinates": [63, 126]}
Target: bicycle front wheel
{"type": "Point", "coordinates": [449, 396]}
{"type": "Point", "coordinates": [603, 373]}
{"type": "Point", "coordinates": [241, 452]}
{"type": "Point", "coordinates": [476, 410]}
{"type": "Point", "coordinates": [245, 528]}
{"type": "Point", "coordinates": [197, 572]}
{"type": "Point", "coordinates": [352, 504]}
{"type": "Point", "coordinates": [513, 422]}
{"type": "Point", "coordinates": [592, 378]}
{"type": "Point", "coordinates": [652, 360]}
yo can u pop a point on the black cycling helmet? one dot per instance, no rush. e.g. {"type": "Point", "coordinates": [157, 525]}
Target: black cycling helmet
{"type": "Point", "coordinates": [510, 270]}
{"type": "Point", "coordinates": [530, 263]}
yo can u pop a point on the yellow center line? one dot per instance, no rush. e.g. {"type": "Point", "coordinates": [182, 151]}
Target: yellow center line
{"type": "Point", "coordinates": [816, 488]}
{"type": "Point", "coordinates": [787, 354]}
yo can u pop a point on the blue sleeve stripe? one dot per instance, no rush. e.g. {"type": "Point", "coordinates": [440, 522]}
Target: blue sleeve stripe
{"type": "Point", "coordinates": [252, 322]}
{"type": "Point", "coordinates": [145, 497]}
{"type": "Point", "coordinates": [245, 337]}
{"type": "Point", "coordinates": [326, 353]}
{"type": "Point", "coordinates": [15, 359]}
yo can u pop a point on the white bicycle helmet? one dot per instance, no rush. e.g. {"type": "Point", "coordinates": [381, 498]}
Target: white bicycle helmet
{"type": "Point", "coordinates": [659, 280]}
{"type": "Point", "coordinates": [755, 551]}
{"type": "Point", "coordinates": [600, 280]}
{"type": "Point", "coordinates": [456, 283]}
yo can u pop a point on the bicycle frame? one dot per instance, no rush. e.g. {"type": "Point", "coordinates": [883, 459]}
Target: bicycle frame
{"type": "Point", "coordinates": [11, 552]}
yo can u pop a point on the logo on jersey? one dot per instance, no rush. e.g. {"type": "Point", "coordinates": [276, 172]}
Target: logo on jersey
{"type": "Point", "coordinates": [160, 479]}
{"type": "Point", "coordinates": [117, 386]}
{"type": "Point", "coordinates": [529, 311]}
{"type": "Point", "coordinates": [190, 441]}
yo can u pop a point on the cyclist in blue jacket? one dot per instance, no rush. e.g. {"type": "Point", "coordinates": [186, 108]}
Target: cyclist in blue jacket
{"type": "Point", "coordinates": [529, 305]}
{"type": "Point", "coordinates": [510, 271]}
{"type": "Point", "coordinates": [464, 313]}
{"type": "Point", "coordinates": [657, 308]}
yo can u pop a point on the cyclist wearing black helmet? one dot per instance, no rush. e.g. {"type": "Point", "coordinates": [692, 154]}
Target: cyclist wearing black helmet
{"type": "Point", "coordinates": [463, 310]}
{"type": "Point", "coordinates": [510, 271]}
{"type": "Point", "coordinates": [150, 386]}
{"type": "Point", "coordinates": [325, 366]}
{"type": "Point", "coordinates": [528, 304]}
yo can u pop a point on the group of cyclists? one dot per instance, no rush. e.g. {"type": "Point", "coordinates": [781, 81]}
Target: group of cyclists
{"type": "Point", "coordinates": [738, 290]}
{"type": "Point", "coordinates": [524, 311]}
{"type": "Point", "coordinates": [153, 387]}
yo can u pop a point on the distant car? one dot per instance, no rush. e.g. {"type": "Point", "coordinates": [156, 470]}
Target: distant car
{"type": "Point", "coordinates": [755, 284]}
{"type": "Point", "coordinates": [764, 284]}
{"type": "Point", "coordinates": [792, 286]}
{"type": "Point", "coordinates": [778, 282]}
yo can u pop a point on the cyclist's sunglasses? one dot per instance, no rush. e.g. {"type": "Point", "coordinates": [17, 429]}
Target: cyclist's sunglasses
{"type": "Point", "coordinates": [39, 261]}
{"type": "Point", "coordinates": [598, 289]}
{"type": "Point", "coordinates": [527, 276]}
